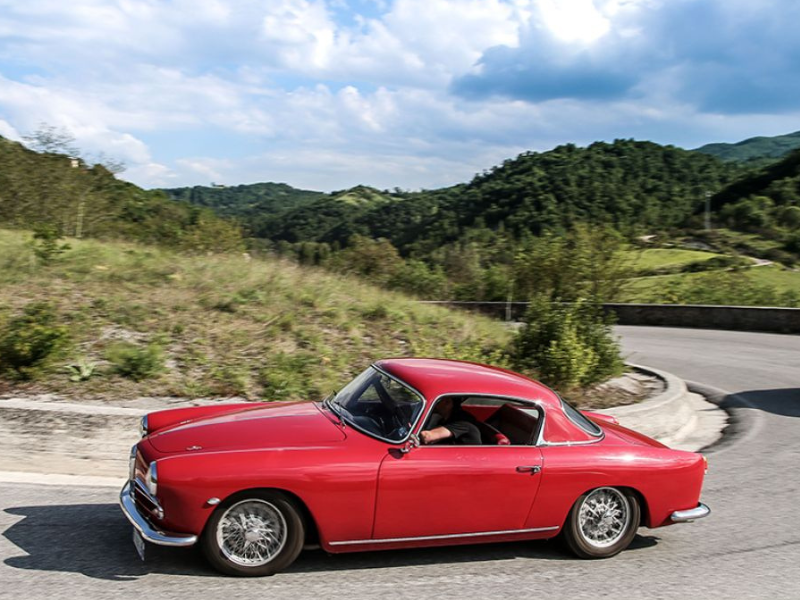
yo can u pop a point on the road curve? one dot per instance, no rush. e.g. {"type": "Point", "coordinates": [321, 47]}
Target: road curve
{"type": "Point", "coordinates": [62, 541]}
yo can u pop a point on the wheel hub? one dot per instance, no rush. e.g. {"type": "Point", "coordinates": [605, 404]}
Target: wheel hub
{"type": "Point", "coordinates": [252, 535]}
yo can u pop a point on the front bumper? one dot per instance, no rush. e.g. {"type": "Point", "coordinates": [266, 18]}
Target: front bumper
{"type": "Point", "coordinates": [687, 516]}
{"type": "Point", "coordinates": [145, 528]}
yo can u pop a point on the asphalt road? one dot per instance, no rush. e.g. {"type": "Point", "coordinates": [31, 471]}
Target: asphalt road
{"type": "Point", "coordinates": [63, 542]}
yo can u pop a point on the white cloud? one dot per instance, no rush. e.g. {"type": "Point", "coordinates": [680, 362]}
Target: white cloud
{"type": "Point", "coordinates": [307, 91]}
{"type": "Point", "coordinates": [9, 132]}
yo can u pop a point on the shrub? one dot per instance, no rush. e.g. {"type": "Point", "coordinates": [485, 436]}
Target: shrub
{"type": "Point", "coordinates": [567, 345]}
{"type": "Point", "coordinates": [46, 244]}
{"type": "Point", "coordinates": [135, 362]}
{"type": "Point", "coordinates": [28, 341]}
{"type": "Point", "coordinates": [716, 264]}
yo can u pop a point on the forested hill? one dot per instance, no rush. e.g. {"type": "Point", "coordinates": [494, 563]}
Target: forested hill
{"type": "Point", "coordinates": [59, 195]}
{"type": "Point", "coordinates": [766, 202]}
{"type": "Point", "coordinates": [634, 186]}
{"type": "Point", "coordinates": [245, 200]}
{"type": "Point", "coordinates": [755, 151]}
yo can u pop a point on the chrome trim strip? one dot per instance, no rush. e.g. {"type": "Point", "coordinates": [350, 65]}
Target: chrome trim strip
{"type": "Point", "coordinates": [687, 516]}
{"type": "Point", "coordinates": [143, 426]}
{"type": "Point", "coordinates": [451, 536]}
{"type": "Point", "coordinates": [579, 443]}
{"type": "Point", "coordinates": [142, 488]}
{"type": "Point", "coordinates": [147, 531]}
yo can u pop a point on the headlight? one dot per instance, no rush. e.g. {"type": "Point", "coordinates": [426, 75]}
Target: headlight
{"type": "Point", "coordinates": [143, 426]}
{"type": "Point", "coordinates": [151, 479]}
{"type": "Point", "coordinates": [132, 463]}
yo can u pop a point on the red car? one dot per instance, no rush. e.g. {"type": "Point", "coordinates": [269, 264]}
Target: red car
{"type": "Point", "coordinates": [411, 453]}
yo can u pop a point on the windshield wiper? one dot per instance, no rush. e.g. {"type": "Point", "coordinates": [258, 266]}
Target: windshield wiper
{"type": "Point", "coordinates": [331, 406]}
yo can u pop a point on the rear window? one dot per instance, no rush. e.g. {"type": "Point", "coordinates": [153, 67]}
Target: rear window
{"type": "Point", "coordinates": [577, 417]}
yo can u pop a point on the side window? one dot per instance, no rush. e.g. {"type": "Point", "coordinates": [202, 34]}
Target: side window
{"type": "Point", "coordinates": [516, 423]}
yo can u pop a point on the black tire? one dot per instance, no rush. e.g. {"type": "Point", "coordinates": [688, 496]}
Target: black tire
{"type": "Point", "coordinates": [253, 534]}
{"type": "Point", "coordinates": [592, 535]}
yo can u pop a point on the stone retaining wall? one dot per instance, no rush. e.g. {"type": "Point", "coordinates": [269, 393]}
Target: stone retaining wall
{"type": "Point", "coordinates": [735, 318]}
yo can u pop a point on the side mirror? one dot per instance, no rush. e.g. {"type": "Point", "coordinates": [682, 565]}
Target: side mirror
{"type": "Point", "coordinates": [413, 442]}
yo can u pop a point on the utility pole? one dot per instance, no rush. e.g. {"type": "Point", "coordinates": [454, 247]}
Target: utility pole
{"type": "Point", "coordinates": [708, 211]}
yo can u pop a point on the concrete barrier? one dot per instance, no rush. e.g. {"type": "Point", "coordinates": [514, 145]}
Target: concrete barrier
{"type": "Point", "coordinates": [735, 318]}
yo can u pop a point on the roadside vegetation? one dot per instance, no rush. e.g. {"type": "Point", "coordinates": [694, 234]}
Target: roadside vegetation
{"type": "Point", "coordinates": [122, 320]}
{"type": "Point", "coordinates": [266, 291]}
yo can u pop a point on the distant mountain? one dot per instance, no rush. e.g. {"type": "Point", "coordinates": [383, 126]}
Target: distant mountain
{"type": "Point", "coordinates": [330, 218]}
{"type": "Point", "coordinates": [756, 151]}
{"type": "Point", "coordinates": [780, 182]}
{"type": "Point", "coordinates": [628, 184]}
{"type": "Point", "coordinates": [246, 201]}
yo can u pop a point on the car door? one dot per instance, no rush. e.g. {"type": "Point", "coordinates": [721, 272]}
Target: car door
{"type": "Point", "coordinates": [451, 490]}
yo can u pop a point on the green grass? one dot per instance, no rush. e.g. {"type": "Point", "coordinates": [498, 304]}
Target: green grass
{"type": "Point", "coordinates": [227, 325]}
{"type": "Point", "coordinates": [739, 285]}
{"type": "Point", "coordinates": [652, 259]}
{"type": "Point", "coordinates": [744, 242]}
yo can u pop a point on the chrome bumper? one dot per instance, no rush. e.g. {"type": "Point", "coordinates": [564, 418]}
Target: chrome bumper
{"type": "Point", "coordinates": [687, 516]}
{"type": "Point", "coordinates": [143, 526]}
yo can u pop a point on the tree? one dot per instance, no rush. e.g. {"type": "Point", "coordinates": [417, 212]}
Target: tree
{"type": "Point", "coordinates": [587, 262]}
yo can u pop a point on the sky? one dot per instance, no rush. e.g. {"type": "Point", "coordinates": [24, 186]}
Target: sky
{"type": "Point", "coordinates": [328, 94]}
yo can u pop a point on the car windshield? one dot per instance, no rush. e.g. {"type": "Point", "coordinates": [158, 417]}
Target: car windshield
{"type": "Point", "coordinates": [378, 405]}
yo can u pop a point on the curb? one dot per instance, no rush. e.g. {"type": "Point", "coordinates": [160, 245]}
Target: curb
{"type": "Point", "coordinates": [675, 390]}
{"type": "Point", "coordinates": [744, 418]}
{"type": "Point", "coordinates": [669, 417]}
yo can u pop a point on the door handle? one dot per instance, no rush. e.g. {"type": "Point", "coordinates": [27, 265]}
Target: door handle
{"type": "Point", "coordinates": [532, 469]}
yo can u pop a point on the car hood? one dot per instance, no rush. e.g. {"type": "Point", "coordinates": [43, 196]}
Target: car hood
{"type": "Point", "coordinates": [284, 425]}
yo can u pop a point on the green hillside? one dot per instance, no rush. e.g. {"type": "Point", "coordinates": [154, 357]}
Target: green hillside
{"type": "Point", "coordinates": [633, 186]}
{"type": "Point", "coordinates": [141, 320]}
{"type": "Point", "coordinates": [245, 201]}
{"type": "Point", "coordinates": [756, 150]}
{"type": "Point", "coordinates": [64, 196]}
{"type": "Point", "coordinates": [331, 218]}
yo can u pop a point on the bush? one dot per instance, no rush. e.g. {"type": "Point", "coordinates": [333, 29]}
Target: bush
{"type": "Point", "coordinates": [28, 341]}
{"type": "Point", "coordinates": [716, 264]}
{"type": "Point", "coordinates": [135, 362]}
{"type": "Point", "coordinates": [567, 345]}
{"type": "Point", "coordinates": [46, 244]}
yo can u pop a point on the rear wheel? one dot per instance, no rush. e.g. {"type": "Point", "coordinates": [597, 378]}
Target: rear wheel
{"type": "Point", "coordinates": [253, 534]}
{"type": "Point", "coordinates": [602, 523]}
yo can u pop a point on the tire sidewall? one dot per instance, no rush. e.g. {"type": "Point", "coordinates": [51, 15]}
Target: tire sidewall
{"type": "Point", "coordinates": [576, 541]}
{"type": "Point", "coordinates": [294, 540]}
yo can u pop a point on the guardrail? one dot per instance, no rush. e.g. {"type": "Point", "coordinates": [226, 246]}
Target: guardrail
{"type": "Point", "coordinates": [735, 318]}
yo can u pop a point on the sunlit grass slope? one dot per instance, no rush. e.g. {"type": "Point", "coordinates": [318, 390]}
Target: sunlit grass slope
{"type": "Point", "coordinates": [665, 258]}
{"type": "Point", "coordinates": [225, 325]}
{"type": "Point", "coordinates": [720, 287]}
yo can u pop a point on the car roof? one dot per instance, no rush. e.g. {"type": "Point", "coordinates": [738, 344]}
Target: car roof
{"type": "Point", "coordinates": [433, 377]}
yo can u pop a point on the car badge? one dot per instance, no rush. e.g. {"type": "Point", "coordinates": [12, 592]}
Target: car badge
{"type": "Point", "coordinates": [190, 448]}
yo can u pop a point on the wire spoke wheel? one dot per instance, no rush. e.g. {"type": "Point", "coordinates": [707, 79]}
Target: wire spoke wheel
{"type": "Point", "coordinates": [604, 517]}
{"type": "Point", "coordinates": [251, 533]}
{"type": "Point", "coordinates": [602, 522]}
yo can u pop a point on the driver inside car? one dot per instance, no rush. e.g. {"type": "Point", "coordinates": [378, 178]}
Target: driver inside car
{"type": "Point", "coordinates": [450, 424]}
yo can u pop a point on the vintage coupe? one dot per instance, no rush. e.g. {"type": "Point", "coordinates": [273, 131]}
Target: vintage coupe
{"type": "Point", "coordinates": [254, 483]}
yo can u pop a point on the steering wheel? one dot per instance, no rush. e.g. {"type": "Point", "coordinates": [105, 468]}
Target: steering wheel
{"type": "Point", "coordinates": [395, 414]}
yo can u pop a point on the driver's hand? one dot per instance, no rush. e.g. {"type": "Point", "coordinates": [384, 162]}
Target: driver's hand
{"type": "Point", "coordinates": [425, 437]}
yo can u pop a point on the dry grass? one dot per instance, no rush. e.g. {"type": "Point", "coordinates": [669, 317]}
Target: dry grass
{"type": "Point", "coordinates": [227, 325]}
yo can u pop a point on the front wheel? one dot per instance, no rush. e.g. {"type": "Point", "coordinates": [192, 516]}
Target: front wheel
{"type": "Point", "coordinates": [253, 534]}
{"type": "Point", "coordinates": [602, 523]}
